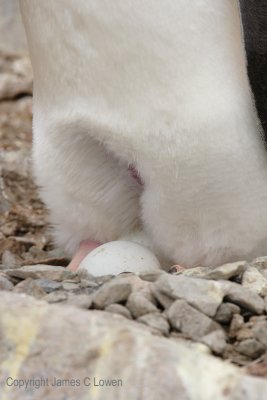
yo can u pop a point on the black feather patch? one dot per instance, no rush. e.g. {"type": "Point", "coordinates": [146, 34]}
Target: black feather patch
{"type": "Point", "coordinates": [254, 20]}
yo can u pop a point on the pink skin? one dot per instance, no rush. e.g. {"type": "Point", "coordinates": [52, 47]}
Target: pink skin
{"type": "Point", "coordinates": [85, 247]}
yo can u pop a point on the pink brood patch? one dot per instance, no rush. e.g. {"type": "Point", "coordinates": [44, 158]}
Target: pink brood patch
{"type": "Point", "coordinates": [85, 247]}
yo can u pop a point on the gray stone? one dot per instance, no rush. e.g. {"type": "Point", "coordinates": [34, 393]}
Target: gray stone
{"type": "Point", "coordinates": [67, 342]}
{"type": "Point", "coordinates": [244, 333]}
{"type": "Point", "coordinates": [225, 271]}
{"type": "Point", "coordinates": [85, 283]}
{"type": "Point", "coordinates": [186, 319]}
{"type": "Point", "coordinates": [40, 271]}
{"type": "Point", "coordinates": [250, 388]}
{"type": "Point", "coordinates": [115, 291]}
{"type": "Point", "coordinates": [215, 341]}
{"type": "Point", "coordinates": [48, 285]}
{"type": "Point", "coordinates": [260, 332]}
{"type": "Point", "coordinates": [30, 287]}
{"type": "Point", "coordinates": [119, 309]}
{"type": "Point", "coordinates": [202, 294]}
{"type": "Point", "coordinates": [255, 281]}
{"type": "Point", "coordinates": [250, 347]}
{"type": "Point", "coordinates": [5, 284]}
{"type": "Point", "coordinates": [13, 85]}
{"type": "Point", "coordinates": [70, 286]}
{"type": "Point", "coordinates": [236, 324]}
{"type": "Point", "coordinates": [260, 263]}
{"type": "Point", "coordinates": [243, 297]}
{"type": "Point", "coordinates": [151, 276]}
{"type": "Point", "coordinates": [139, 305]}
{"type": "Point", "coordinates": [10, 260]}
{"type": "Point", "coordinates": [56, 297]}
{"type": "Point", "coordinates": [225, 313]}
{"type": "Point", "coordinates": [80, 300]}
{"type": "Point", "coordinates": [156, 321]}
{"type": "Point", "coordinates": [164, 300]}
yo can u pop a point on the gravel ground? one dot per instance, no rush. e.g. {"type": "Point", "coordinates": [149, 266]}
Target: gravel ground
{"type": "Point", "coordinates": [223, 308]}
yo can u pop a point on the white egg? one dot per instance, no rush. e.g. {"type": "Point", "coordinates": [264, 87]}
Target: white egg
{"type": "Point", "coordinates": [119, 256]}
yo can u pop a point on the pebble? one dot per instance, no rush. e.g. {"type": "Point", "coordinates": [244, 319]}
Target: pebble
{"type": "Point", "coordinates": [151, 276]}
{"type": "Point", "coordinates": [225, 313]}
{"type": "Point", "coordinates": [48, 285]}
{"type": "Point", "coordinates": [244, 333]}
{"type": "Point", "coordinates": [156, 321]}
{"type": "Point", "coordinates": [250, 347]}
{"type": "Point", "coordinates": [226, 271]}
{"type": "Point", "coordinates": [85, 283]}
{"type": "Point", "coordinates": [40, 271]}
{"type": "Point", "coordinates": [56, 297]}
{"type": "Point", "coordinates": [29, 286]}
{"type": "Point", "coordinates": [252, 279]}
{"type": "Point", "coordinates": [80, 300]}
{"type": "Point", "coordinates": [260, 263]}
{"type": "Point", "coordinates": [236, 324]}
{"type": "Point", "coordinates": [216, 341]}
{"type": "Point", "coordinates": [188, 320]}
{"type": "Point", "coordinates": [70, 286]}
{"type": "Point", "coordinates": [164, 300]}
{"type": "Point", "coordinates": [260, 332]}
{"type": "Point", "coordinates": [139, 304]}
{"type": "Point", "coordinates": [10, 260]}
{"type": "Point", "coordinates": [243, 297]}
{"type": "Point", "coordinates": [115, 291]}
{"type": "Point", "coordinates": [119, 309]}
{"type": "Point", "coordinates": [202, 294]}
{"type": "Point", "coordinates": [5, 284]}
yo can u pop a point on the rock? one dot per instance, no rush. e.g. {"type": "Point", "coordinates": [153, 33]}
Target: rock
{"type": "Point", "coordinates": [80, 300]}
{"type": "Point", "coordinates": [255, 281]}
{"type": "Point", "coordinates": [260, 263]}
{"type": "Point", "coordinates": [40, 271]}
{"type": "Point", "coordinates": [5, 284]}
{"type": "Point", "coordinates": [119, 309]}
{"type": "Point", "coordinates": [151, 276]}
{"type": "Point", "coordinates": [70, 286]}
{"type": "Point", "coordinates": [236, 324]}
{"type": "Point", "coordinates": [202, 294]}
{"type": "Point", "coordinates": [85, 283]}
{"type": "Point", "coordinates": [66, 342]}
{"type": "Point", "coordinates": [115, 291]}
{"type": "Point", "coordinates": [225, 271]}
{"type": "Point", "coordinates": [260, 332]}
{"type": "Point", "coordinates": [10, 260]}
{"type": "Point", "coordinates": [30, 287]}
{"type": "Point", "coordinates": [48, 285]}
{"type": "Point", "coordinates": [186, 319]}
{"type": "Point", "coordinates": [156, 321]}
{"type": "Point", "coordinates": [215, 341]}
{"type": "Point", "coordinates": [12, 86]}
{"type": "Point", "coordinates": [250, 347]}
{"type": "Point", "coordinates": [139, 305]}
{"type": "Point", "coordinates": [162, 299]}
{"type": "Point", "coordinates": [56, 297]}
{"type": "Point", "coordinates": [243, 297]}
{"type": "Point", "coordinates": [225, 313]}
{"type": "Point", "coordinates": [244, 333]}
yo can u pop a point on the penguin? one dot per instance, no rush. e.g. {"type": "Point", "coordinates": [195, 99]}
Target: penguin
{"type": "Point", "coordinates": [145, 126]}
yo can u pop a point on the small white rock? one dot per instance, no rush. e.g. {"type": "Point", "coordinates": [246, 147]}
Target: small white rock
{"type": "Point", "coordinates": [117, 257]}
{"type": "Point", "coordinates": [253, 279]}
